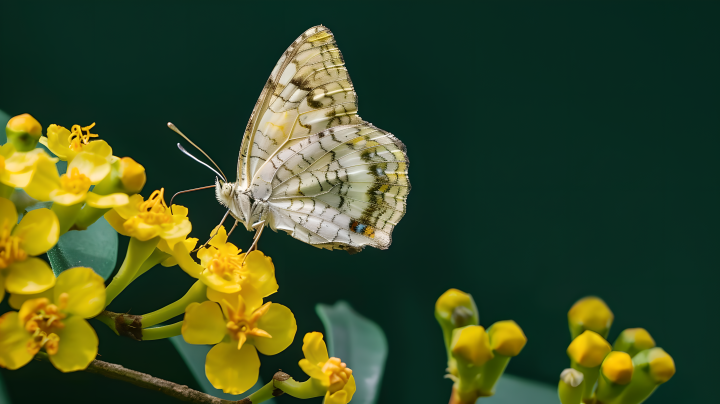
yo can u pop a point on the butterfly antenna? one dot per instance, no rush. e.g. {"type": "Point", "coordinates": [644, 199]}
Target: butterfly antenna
{"type": "Point", "coordinates": [176, 130]}
{"type": "Point", "coordinates": [186, 191]}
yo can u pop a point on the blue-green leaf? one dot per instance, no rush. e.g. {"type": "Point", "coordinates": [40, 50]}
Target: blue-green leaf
{"type": "Point", "coordinates": [3, 391]}
{"type": "Point", "coordinates": [4, 118]}
{"type": "Point", "coordinates": [360, 343]}
{"type": "Point", "coordinates": [96, 248]}
{"type": "Point", "coordinates": [512, 390]}
{"type": "Point", "coordinates": [194, 357]}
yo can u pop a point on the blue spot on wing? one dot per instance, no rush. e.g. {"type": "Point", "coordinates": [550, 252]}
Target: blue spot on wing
{"type": "Point", "coordinates": [359, 229]}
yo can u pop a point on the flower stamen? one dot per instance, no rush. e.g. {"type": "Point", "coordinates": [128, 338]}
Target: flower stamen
{"type": "Point", "coordinates": [10, 250]}
{"type": "Point", "coordinates": [76, 182]}
{"type": "Point", "coordinates": [78, 139]}
{"type": "Point", "coordinates": [42, 321]}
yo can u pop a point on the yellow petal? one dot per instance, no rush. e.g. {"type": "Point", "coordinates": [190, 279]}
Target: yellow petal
{"type": "Point", "coordinates": [179, 211]}
{"type": "Point", "coordinates": [203, 324]}
{"type": "Point", "coordinates": [222, 285]}
{"type": "Point", "coordinates": [232, 370]}
{"type": "Point", "coordinates": [220, 238]}
{"type": "Point", "coordinates": [38, 231]}
{"type": "Point", "coordinates": [78, 345]}
{"type": "Point", "coordinates": [185, 261]}
{"type": "Point", "coordinates": [116, 221]}
{"type": "Point", "coordinates": [2, 287]}
{"type": "Point", "coordinates": [30, 276]}
{"type": "Point", "coordinates": [58, 142]}
{"type": "Point", "coordinates": [62, 197]}
{"type": "Point", "coordinates": [177, 232]}
{"type": "Point", "coordinates": [314, 348]}
{"type": "Point", "coordinates": [44, 180]}
{"type": "Point", "coordinates": [13, 342]}
{"type": "Point", "coordinates": [280, 323]}
{"type": "Point", "coordinates": [131, 209]}
{"type": "Point", "coordinates": [91, 165]}
{"type": "Point", "coordinates": [312, 370]}
{"type": "Point", "coordinates": [99, 147]}
{"type": "Point", "coordinates": [141, 230]}
{"type": "Point", "coordinates": [106, 201]}
{"type": "Point", "coordinates": [16, 300]}
{"type": "Point", "coordinates": [259, 271]}
{"type": "Point", "coordinates": [85, 292]}
{"type": "Point", "coordinates": [8, 213]}
{"type": "Point", "coordinates": [342, 396]}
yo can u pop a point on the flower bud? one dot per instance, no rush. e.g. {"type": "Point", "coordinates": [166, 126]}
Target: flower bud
{"type": "Point", "coordinates": [587, 352]}
{"type": "Point", "coordinates": [132, 175]}
{"type": "Point", "coordinates": [506, 340]}
{"type": "Point", "coordinates": [471, 346]}
{"type": "Point", "coordinates": [457, 308]}
{"type": "Point", "coordinates": [633, 340]}
{"type": "Point", "coordinates": [588, 349]}
{"type": "Point", "coordinates": [571, 386]}
{"type": "Point", "coordinates": [24, 132]}
{"type": "Point", "coordinates": [652, 368]}
{"type": "Point", "coordinates": [590, 313]}
{"type": "Point", "coordinates": [616, 370]}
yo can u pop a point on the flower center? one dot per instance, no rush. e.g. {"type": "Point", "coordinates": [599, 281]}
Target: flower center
{"type": "Point", "coordinates": [338, 372]}
{"type": "Point", "coordinates": [42, 321]}
{"type": "Point", "coordinates": [10, 250]}
{"type": "Point", "coordinates": [225, 264]}
{"type": "Point", "coordinates": [78, 139]}
{"type": "Point", "coordinates": [76, 182]}
{"type": "Point", "coordinates": [240, 327]}
{"type": "Point", "coordinates": [154, 210]}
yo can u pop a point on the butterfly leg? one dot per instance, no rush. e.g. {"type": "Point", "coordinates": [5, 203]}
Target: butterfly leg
{"type": "Point", "coordinates": [255, 240]}
{"type": "Point", "coordinates": [217, 228]}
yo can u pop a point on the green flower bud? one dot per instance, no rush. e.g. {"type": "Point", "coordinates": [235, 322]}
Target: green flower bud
{"type": "Point", "coordinates": [587, 352]}
{"type": "Point", "coordinates": [653, 367]}
{"type": "Point", "coordinates": [24, 132]}
{"type": "Point", "coordinates": [615, 373]}
{"type": "Point", "coordinates": [633, 340]}
{"type": "Point", "coordinates": [590, 313]}
{"type": "Point", "coordinates": [506, 340]}
{"type": "Point", "coordinates": [571, 386]}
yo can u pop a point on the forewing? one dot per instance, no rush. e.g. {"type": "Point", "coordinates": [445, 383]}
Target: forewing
{"type": "Point", "coordinates": [342, 188]}
{"type": "Point", "coordinates": [308, 91]}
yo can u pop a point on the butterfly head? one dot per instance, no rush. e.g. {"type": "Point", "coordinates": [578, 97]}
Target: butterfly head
{"type": "Point", "coordinates": [234, 199]}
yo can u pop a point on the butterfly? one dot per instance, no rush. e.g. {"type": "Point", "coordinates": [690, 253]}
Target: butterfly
{"type": "Point", "coordinates": [309, 165]}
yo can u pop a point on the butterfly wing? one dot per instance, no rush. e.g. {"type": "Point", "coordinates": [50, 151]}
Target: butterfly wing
{"type": "Point", "coordinates": [308, 91]}
{"type": "Point", "coordinates": [343, 188]}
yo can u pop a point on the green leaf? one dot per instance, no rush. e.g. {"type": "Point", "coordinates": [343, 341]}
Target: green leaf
{"type": "Point", "coordinates": [512, 390]}
{"type": "Point", "coordinates": [96, 248]}
{"type": "Point", "coordinates": [4, 118]}
{"type": "Point", "coordinates": [3, 391]}
{"type": "Point", "coordinates": [194, 357]}
{"type": "Point", "coordinates": [360, 343]}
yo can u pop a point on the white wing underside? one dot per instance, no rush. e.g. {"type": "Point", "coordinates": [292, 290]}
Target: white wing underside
{"type": "Point", "coordinates": [329, 178]}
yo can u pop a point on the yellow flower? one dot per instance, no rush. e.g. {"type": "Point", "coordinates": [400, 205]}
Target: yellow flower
{"type": "Point", "coordinates": [222, 268]}
{"type": "Point", "coordinates": [330, 373]}
{"type": "Point", "coordinates": [67, 144]}
{"type": "Point", "coordinates": [72, 188]}
{"type": "Point", "coordinates": [37, 232]}
{"type": "Point", "coordinates": [249, 326]}
{"type": "Point", "coordinates": [145, 220]}
{"type": "Point", "coordinates": [22, 169]}
{"type": "Point", "coordinates": [132, 175]}
{"type": "Point", "coordinates": [58, 325]}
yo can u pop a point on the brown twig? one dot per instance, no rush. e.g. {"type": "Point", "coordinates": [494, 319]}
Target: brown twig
{"type": "Point", "coordinates": [146, 381]}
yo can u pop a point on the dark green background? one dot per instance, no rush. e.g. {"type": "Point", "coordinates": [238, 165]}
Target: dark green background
{"type": "Point", "coordinates": [558, 150]}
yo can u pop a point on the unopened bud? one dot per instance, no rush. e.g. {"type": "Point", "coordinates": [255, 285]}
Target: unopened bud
{"type": "Point", "coordinates": [617, 371]}
{"type": "Point", "coordinates": [590, 313]}
{"type": "Point", "coordinates": [634, 340]}
{"type": "Point", "coordinates": [471, 346]}
{"type": "Point", "coordinates": [132, 175]}
{"type": "Point", "coordinates": [571, 386]}
{"type": "Point", "coordinates": [24, 132]}
{"type": "Point", "coordinates": [588, 349]}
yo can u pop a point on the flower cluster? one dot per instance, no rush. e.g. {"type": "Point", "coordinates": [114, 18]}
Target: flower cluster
{"type": "Point", "coordinates": [227, 307]}
{"type": "Point", "coordinates": [625, 373]}
{"type": "Point", "coordinates": [476, 357]}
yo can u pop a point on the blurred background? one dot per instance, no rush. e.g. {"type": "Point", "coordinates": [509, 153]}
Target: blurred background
{"type": "Point", "coordinates": [557, 150]}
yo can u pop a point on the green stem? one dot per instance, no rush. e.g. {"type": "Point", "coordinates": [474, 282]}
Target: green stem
{"type": "Point", "coordinates": [89, 215]}
{"type": "Point", "coordinates": [304, 390]}
{"type": "Point", "coordinates": [196, 293]}
{"type": "Point", "coordinates": [155, 258]}
{"type": "Point", "coordinates": [162, 332]}
{"type": "Point", "coordinates": [265, 393]}
{"type": "Point", "coordinates": [137, 253]}
{"type": "Point", "coordinates": [66, 215]}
